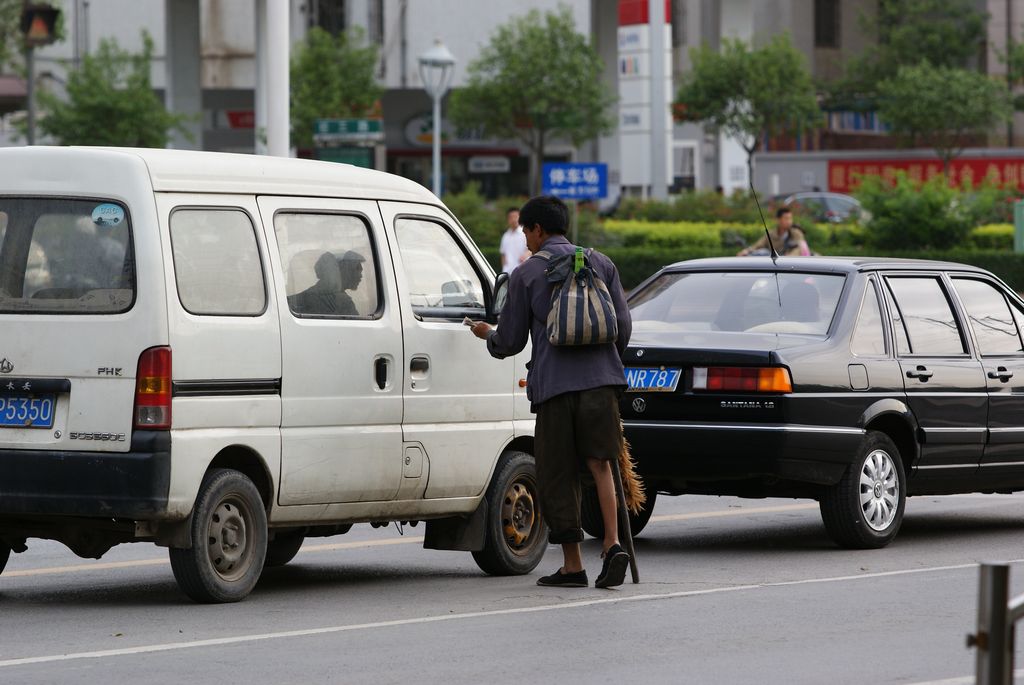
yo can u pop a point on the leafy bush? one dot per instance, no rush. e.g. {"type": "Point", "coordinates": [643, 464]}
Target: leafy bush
{"type": "Point", "coordinates": [483, 222]}
{"type": "Point", "coordinates": [913, 215]}
{"type": "Point", "coordinates": [990, 203]}
{"type": "Point", "coordinates": [992, 237]}
{"type": "Point", "coordinates": [703, 206]}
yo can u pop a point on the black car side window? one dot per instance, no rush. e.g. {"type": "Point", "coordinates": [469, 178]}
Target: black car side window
{"type": "Point", "coordinates": [899, 331]}
{"type": "Point", "coordinates": [869, 336]}
{"type": "Point", "coordinates": [927, 315]}
{"type": "Point", "coordinates": [990, 316]}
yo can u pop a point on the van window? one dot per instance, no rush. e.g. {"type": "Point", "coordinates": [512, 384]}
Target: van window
{"type": "Point", "coordinates": [442, 281]}
{"type": "Point", "coordinates": [329, 265]}
{"type": "Point", "coordinates": [217, 262]}
{"type": "Point", "coordinates": [65, 256]}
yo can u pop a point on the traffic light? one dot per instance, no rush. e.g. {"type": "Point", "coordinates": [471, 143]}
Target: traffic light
{"type": "Point", "coordinates": [39, 24]}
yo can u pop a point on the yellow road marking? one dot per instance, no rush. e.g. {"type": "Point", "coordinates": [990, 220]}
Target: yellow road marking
{"type": "Point", "coordinates": [105, 566]}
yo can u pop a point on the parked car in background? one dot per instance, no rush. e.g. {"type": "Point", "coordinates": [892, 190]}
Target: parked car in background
{"type": "Point", "coordinates": [823, 206]}
{"type": "Point", "coordinates": [853, 382]}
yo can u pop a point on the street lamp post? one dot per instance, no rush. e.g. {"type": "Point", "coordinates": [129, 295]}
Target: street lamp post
{"type": "Point", "coordinates": [436, 68]}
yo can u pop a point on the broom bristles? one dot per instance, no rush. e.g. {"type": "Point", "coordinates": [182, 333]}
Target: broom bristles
{"type": "Point", "coordinates": [632, 486]}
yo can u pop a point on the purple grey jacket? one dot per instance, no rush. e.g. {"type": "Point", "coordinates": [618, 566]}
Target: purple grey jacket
{"type": "Point", "coordinates": [556, 370]}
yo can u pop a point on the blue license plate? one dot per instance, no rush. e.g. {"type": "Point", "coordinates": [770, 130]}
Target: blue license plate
{"type": "Point", "coordinates": [652, 379]}
{"type": "Point", "coordinates": [24, 411]}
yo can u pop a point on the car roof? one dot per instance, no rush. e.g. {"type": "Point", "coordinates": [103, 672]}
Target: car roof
{"type": "Point", "coordinates": [193, 171]}
{"type": "Point", "coordinates": [820, 264]}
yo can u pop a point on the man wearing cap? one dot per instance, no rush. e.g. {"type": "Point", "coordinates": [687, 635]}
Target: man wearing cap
{"type": "Point", "coordinates": [350, 265]}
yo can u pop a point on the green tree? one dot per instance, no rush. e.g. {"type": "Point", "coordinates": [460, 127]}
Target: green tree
{"type": "Point", "coordinates": [749, 93]}
{"type": "Point", "coordinates": [11, 39]}
{"type": "Point", "coordinates": [943, 107]}
{"type": "Point", "coordinates": [332, 77]}
{"type": "Point", "coordinates": [537, 80]}
{"type": "Point", "coordinates": [110, 101]}
{"type": "Point", "coordinates": [943, 33]}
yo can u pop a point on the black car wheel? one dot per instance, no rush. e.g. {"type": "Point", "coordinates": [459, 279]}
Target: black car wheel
{"type": "Point", "coordinates": [229, 540]}
{"type": "Point", "coordinates": [593, 524]}
{"type": "Point", "coordinates": [283, 548]}
{"type": "Point", "coordinates": [516, 534]}
{"type": "Point", "coordinates": [864, 510]}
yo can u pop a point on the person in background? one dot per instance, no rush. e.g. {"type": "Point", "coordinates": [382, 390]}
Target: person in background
{"type": "Point", "coordinates": [513, 242]}
{"type": "Point", "coordinates": [788, 239]}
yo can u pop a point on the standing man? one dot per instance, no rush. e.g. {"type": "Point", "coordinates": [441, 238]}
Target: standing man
{"type": "Point", "coordinates": [513, 242]}
{"type": "Point", "coordinates": [573, 390]}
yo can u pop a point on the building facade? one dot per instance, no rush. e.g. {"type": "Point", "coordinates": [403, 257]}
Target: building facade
{"type": "Point", "coordinates": [206, 63]}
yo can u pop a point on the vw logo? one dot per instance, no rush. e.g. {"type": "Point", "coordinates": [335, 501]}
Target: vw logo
{"type": "Point", "coordinates": [639, 405]}
{"type": "Point", "coordinates": [639, 353]}
{"type": "Point", "coordinates": [6, 366]}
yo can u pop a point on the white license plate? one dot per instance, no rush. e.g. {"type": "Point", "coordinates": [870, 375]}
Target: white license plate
{"type": "Point", "coordinates": [652, 379]}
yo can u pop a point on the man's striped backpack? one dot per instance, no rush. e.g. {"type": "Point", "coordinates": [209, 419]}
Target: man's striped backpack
{"type": "Point", "coordinates": [582, 311]}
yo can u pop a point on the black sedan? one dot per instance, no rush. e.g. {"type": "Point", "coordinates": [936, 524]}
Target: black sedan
{"type": "Point", "coordinates": [854, 382]}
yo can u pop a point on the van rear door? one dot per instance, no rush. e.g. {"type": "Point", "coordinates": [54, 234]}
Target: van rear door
{"type": "Point", "coordinates": [72, 322]}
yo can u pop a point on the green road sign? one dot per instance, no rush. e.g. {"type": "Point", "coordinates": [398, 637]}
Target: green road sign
{"type": "Point", "coordinates": [334, 131]}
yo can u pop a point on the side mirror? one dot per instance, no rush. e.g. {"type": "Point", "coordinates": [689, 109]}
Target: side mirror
{"type": "Point", "coordinates": [499, 299]}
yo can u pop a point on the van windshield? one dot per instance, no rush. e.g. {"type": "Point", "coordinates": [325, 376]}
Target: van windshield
{"type": "Point", "coordinates": [62, 255]}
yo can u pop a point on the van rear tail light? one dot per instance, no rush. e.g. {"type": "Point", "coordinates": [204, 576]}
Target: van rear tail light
{"type": "Point", "coordinates": [742, 379]}
{"type": "Point", "coordinates": [153, 390]}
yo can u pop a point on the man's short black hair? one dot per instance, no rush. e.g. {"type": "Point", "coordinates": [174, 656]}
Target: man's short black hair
{"type": "Point", "coordinates": [546, 210]}
{"type": "Point", "coordinates": [782, 210]}
{"type": "Point", "coordinates": [510, 210]}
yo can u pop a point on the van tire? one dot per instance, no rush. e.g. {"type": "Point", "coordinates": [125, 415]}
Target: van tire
{"type": "Point", "coordinates": [229, 540]}
{"type": "Point", "coordinates": [5, 554]}
{"type": "Point", "coordinates": [283, 548]}
{"type": "Point", "coordinates": [515, 535]}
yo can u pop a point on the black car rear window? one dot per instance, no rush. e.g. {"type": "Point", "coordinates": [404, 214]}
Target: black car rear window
{"type": "Point", "coordinates": [62, 255]}
{"type": "Point", "coordinates": [747, 301]}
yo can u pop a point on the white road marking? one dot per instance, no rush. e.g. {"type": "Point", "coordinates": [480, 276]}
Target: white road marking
{"type": "Point", "coordinates": [241, 639]}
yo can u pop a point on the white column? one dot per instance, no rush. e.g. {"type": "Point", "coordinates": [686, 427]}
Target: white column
{"type": "Point", "coordinates": [184, 94]}
{"type": "Point", "coordinates": [660, 98]}
{"type": "Point", "coordinates": [277, 90]}
{"type": "Point", "coordinates": [259, 91]}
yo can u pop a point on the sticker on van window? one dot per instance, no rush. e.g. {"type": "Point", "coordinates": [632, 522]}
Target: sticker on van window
{"type": "Point", "coordinates": [107, 215]}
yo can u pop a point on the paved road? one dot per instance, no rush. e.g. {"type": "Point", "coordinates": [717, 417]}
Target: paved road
{"type": "Point", "coordinates": [733, 591]}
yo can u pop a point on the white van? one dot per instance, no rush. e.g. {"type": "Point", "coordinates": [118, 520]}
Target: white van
{"type": "Point", "coordinates": [225, 354]}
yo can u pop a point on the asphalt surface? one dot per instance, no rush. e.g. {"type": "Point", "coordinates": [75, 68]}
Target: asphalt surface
{"type": "Point", "coordinates": [732, 591]}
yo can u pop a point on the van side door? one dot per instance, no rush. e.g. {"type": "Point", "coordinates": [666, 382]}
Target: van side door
{"type": "Point", "coordinates": [341, 351]}
{"type": "Point", "coordinates": [458, 399]}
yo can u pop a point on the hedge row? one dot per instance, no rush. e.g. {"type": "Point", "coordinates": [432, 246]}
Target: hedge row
{"type": "Point", "coordinates": [637, 263]}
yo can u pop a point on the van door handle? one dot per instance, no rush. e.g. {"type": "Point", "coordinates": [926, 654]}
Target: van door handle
{"type": "Point", "coordinates": [920, 372]}
{"type": "Point", "coordinates": [1001, 373]}
{"type": "Point", "coordinates": [380, 372]}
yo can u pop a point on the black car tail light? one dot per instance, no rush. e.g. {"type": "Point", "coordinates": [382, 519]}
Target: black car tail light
{"type": "Point", "coordinates": [742, 379]}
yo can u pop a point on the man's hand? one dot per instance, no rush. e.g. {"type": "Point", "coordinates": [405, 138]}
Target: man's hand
{"type": "Point", "coordinates": [481, 329]}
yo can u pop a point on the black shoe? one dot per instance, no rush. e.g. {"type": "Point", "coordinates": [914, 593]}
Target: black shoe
{"type": "Point", "coordinates": [613, 572]}
{"type": "Point", "coordinates": [559, 579]}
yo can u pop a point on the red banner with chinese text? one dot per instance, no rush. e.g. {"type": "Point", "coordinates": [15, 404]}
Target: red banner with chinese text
{"type": "Point", "coordinates": [843, 174]}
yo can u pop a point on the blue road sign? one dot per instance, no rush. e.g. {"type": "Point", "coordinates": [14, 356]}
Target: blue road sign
{"type": "Point", "coordinates": [575, 181]}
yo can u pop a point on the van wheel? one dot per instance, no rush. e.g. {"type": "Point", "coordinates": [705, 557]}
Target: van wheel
{"type": "Point", "coordinates": [283, 548]}
{"type": "Point", "coordinates": [593, 524]}
{"type": "Point", "coordinates": [864, 509]}
{"type": "Point", "coordinates": [5, 554]}
{"type": "Point", "coordinates": [516, 535]}
{"type": "Point", "coordinates": [229, 540]}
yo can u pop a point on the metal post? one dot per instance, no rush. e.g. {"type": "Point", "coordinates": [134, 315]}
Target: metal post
{"type": "Point", "coordinates": [278, 124]}
{"type": "Point", "coordinates": [30, 94]}
{"type": "Point", "coordinates": [659, 100]}
{"type": "Point", "coordinates": [437, 144]}
{"type": "Point", "coordinates": [994, 663]}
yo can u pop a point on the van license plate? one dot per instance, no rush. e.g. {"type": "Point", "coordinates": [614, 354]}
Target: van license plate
{"type": "Point", "coordinates": [23, 411]}
{"type": "Point", "coordinates": [652, 379]}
